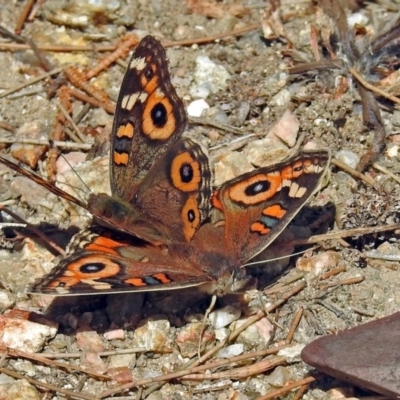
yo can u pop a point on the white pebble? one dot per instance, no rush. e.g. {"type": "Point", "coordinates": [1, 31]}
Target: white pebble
{"type": "Point", "coordinates": [231, 351]}
{"type": "Point", "coordinates": [348, 157]}
{"type": "Point", "coordinates": [196, 108]}
{"type": "Point", "coordinates": [224, 316]}
{"type": "Point", "coordinates": [208, 77]}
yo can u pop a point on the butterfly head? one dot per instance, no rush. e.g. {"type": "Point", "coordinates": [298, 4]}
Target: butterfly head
{"type": "Point", "coordinates": [112, 209]}
{"type": "Point", "coordinates": [226, 273]}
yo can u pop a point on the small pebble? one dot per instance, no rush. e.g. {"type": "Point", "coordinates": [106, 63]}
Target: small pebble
{"type": "Point", "coordinates": [279, 377]}
{"type": "Point", "coordinates": [24, 335]}
{"type": "Point", "coordinates": [357, 18]}
{"type": "Point", "coordinates": [224, 316]}
{"type": "Point", "coordinates": [230, 166]}
{"type": "Point", "coordinates": [152, 335]}
{"type": "Point", "coordinates": [21, 389]}
{"type": "Point", "coordinates": [122, 360]}
{"type": "Point", "coordinates": [392, 151]}
{"type": "Point", "coordinates": [344, 179]}
{"type": "Point", "coordinates": [209, 77]}
{"type": "Point", "coordinates": [348, 157]}
{"type": "Point", "coordinates": [120, 374]}
{"type": "Point", "coordinates": [257, 334]}
{"type": "Point", "coordinates": [196, 108]}
{"type": "Point", "coordinates": [188, 338]}
{"type": "Point", "coordinates": [28, 153]}
{"type": "Point", "coordinates": [94, 362]}
{"type": "Point", "coordinates": [319, 263]}
{"type": "Point", "coordinates": [25, 367]}
{"type": "Point", "coordinates": [396, 118]}
{"type": "Point", "coordinates": [7, 300]}
{"type": "Point", "coordinates": [221, 334]}
{"type": "Point", "coordinates": [292, 353]}
{"type": "Point", "coordinates": [217, 115]}
{"type": "Point", "coordinates": [115, 334]}
{"type": "Point", "coordinates": [264, 152]}
{"type": "Point", "coordinates": [89, 341]}
{"type": "Point", "coordinates": [286, 128]}
{"type": "Point", "coordinates": [281, 99]}
{"type": "Point", "coordinates": [231, 351]}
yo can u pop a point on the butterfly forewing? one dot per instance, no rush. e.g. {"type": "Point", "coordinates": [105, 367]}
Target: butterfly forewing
{"type": "Point", "coordinates": [149, 117]}
{"type": "Point", "coordinates": [258, 205]}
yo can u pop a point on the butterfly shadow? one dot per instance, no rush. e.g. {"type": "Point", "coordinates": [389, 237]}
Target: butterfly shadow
{"type": "Point", "coordinates": [282, 253]}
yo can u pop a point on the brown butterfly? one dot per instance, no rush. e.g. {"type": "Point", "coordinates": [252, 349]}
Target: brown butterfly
{"type": "Point", "coordinates": [161, 185]}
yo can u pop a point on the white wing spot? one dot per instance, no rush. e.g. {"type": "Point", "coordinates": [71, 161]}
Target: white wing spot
{"type": "Point", "coordinates": [129, 100]}
{"type": "Point", "coordinates": [96, 285]}
{"type": "Point", "coordinates": [159, 93]}
{"type": "Point", "coordinates": [61, 290]}
{"type": "Point", "coordinates": [297, 191]}
{"type": "Point", "coordinates": [308, 169]}
{"type": "Point", "coordinates": [301, 192]}
{"type": "Point", "coordinates": [138, 63]}
{"type": "Point", "coordinates": [293, 189]}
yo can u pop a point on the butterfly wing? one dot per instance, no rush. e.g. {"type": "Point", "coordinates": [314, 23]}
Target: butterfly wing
{"type": "Point", "coordinates": [258, 205]}
{"type": "Point", "coordinates": [161, 189]}
{"type": "Point", "coordinates": [171, 202]}
{"type": "Point", "coordinates": [106, 265]}
{"type": "Point", "coordinates": [175, 194]}
{"type": "Point", "coordinates": [149, 117]}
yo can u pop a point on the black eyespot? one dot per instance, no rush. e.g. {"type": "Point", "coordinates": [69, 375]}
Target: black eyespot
{"type": "Point", "coordinates": [186, 172]}
{"type": "Point", "coordinates": [92, 268]}
{"type": "Point", "coordinates": [149, 73]}
{"type": "Point", "coordinates": [191, 215]}
{"type": "Point", "coordinates": [159, 115]}
{"type": "Point", "coordinates": [257, 187]}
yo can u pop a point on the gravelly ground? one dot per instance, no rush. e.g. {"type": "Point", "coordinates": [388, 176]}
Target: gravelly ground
{"type": "Point", "coordinates": [259, 92]}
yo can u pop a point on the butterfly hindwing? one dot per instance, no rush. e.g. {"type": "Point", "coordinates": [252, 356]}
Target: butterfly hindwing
{"type": "Point", "coordinates": [105, 265]}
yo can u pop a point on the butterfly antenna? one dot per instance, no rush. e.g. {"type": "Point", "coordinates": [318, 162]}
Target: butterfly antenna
{"type": "Point", "coordinates": [53, 145]}
{"type": "Point", "coordinates": [250, 264]}
{"type": "Point", "coordinates": [41, 181]}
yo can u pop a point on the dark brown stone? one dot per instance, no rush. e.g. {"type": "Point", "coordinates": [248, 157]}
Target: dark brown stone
{"type": "Point", "coordinates": [367, 355]}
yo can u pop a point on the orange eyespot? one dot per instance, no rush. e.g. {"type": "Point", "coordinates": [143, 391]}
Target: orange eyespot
{"type": "Point", "coordinates": [158, 119]}
{"type": "Point", "coordinates": [185, 173]}
{"type": "Point", "coordinates": [256, 189]}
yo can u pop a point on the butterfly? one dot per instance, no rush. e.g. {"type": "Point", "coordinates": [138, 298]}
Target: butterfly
{"type": "Point", "coordinates": [158, 233]}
